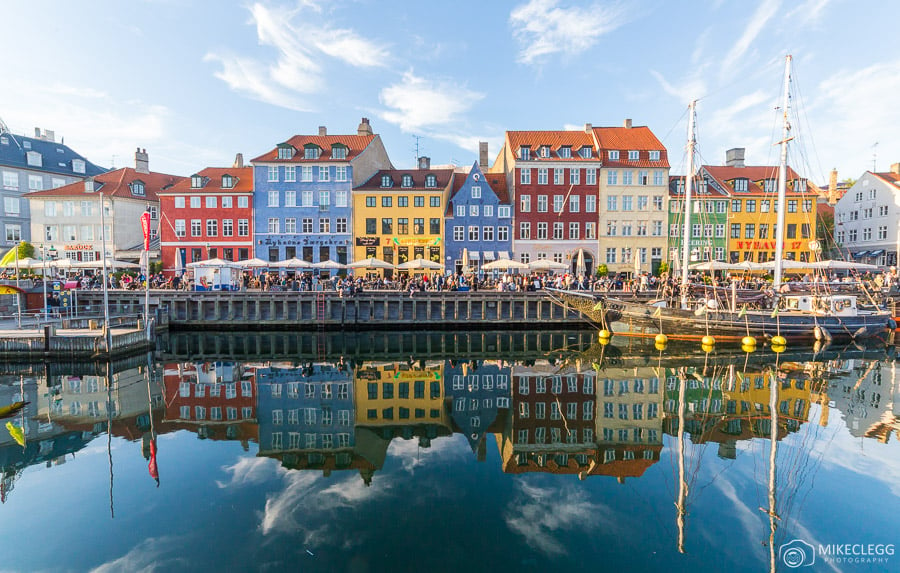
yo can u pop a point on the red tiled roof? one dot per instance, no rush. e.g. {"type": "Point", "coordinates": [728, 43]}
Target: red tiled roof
{"type": "Point", "coordinates": [755, 173]}
{"type": "Point", "coordinates": [625, 139]}
{"type": "Point", "coordinates": [888, 176]}
{"type": "Point", "coordinates": [444, 178]}
{"type": "Point", "coordinates": [555, 139]}
{"type": "Point", "coordinates": [115, 184]}
{"type": "Point", "coordinates": [497, 181]}
{"type": "Point", "coordinates": [355, 144]}
{"type": "Point", "coordinates": [243, 177]}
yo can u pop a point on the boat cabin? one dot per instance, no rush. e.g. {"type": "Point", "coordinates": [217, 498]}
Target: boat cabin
{"type": "Point", "coordinates": [833, 305]}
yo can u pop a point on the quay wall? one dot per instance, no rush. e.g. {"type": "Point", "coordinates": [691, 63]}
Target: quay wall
{"type": "Point", "coordinates": [372, 310]}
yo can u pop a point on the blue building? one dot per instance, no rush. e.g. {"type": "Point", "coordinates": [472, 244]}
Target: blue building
{"type": "Point", "coordinates": [306, 415]}
{"type": "Point", "coordinates": [477, 390]}
{"type": "Point", "coordinates": [478, 221]}
{"type": "Point", "coordinates": [302, 194]}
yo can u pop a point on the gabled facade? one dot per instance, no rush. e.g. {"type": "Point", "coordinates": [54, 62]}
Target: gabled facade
{"type": "Point", "coordinates": [65, 222]}
{"type": "Point", "coordinates": [753, 210]}
{"type": "Point", "coordinates": [634, 192]}
{"type": "Point", "coordinates": [553, 178]}
{"type": "Point", "coordinates": [867, 218]}
{"type": "Point", "coordinates": [399, 214]}
{"type": "Point", "coordinates": [302, 194]}
{"type": "Point", "coordinates": [33, 164]}
{"type": "Point", "coordinates": [480, 394]}
{"type": "Point", "coordinates": [206, 216]}
{"type": "Point", "coordinates": [709, 221]}
{"type": "Point", "coordinates": [478, 220]}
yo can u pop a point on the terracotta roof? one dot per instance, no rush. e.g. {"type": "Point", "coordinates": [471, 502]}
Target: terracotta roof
{"type": "Point", "coordinates": [212, 177]}
{"type": "Point", "coordinates": [625, 139]}
{"type": "Point", "coordinates": [755, 173]}
{"type": "Point", "coordinates": [497, 181]}
{"type": "Point", "coordinates": [556, 140]}
{"type": "Point", "coordinates": [444, 178]}
{"type": "Point", "coordinates": [115, 184]}
{"type": "Point", "coordinates": [355, 144]}
{"type": "Point", "coordinates": [888, 176]}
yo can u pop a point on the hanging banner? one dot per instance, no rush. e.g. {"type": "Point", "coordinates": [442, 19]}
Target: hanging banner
{"type": "Point", "coordinates": [145, 226]}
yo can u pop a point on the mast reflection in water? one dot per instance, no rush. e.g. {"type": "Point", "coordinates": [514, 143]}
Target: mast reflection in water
{"type": "Point", "coordinates": [496, 451]}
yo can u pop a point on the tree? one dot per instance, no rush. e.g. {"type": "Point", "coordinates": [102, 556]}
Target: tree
{"type": "Point", "coordinates": [663, 268]}
{"type": "Point", "coordinates": [26, 250]}
{"type": "Point", "coordinates": [602, 270]}
{"type": "Point", "coordinates": [825, 232]}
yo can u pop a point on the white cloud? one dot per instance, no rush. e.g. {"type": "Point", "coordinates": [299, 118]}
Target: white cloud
{"type": "Point", "coordinates": [810, 11]}
{"type": "Point", "coordinates": [153, 554]}
{"type": "Point", "coordinates": [418, 103]}
{"type": "Point", "coordinates": [765, 11]}
{"type": "Point", "coordinates": [543, 28]}
{"type": "Point", "coordinates": [248, 471]}
{"type": "Point", "coordinates": [541, 514]}
{"type": "Point", "coordinates": [304, 44]}
{"type": "Point", "coordinates": [690, 88]}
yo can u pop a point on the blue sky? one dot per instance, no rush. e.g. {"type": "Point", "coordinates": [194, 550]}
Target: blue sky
{"type": "Point", "coordinates": [196, 82]}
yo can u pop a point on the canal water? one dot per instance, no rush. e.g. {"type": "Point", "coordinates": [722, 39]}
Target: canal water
{"type": "Point", "coordinates": [466, 452]}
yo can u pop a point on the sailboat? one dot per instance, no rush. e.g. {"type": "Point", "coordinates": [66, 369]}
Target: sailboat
{"type": "Point", "coordinates": [795, 317]}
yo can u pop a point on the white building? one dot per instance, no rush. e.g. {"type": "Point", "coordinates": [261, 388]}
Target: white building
{"type": "Point", "coordinates": [867, 218]}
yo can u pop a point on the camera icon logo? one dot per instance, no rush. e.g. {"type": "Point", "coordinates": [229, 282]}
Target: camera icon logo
{"type": "Point", "coordinates": [797, 553]}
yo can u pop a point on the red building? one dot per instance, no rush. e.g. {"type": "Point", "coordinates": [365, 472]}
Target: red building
{"type": "Point", "coordinates": [206, 216]}
{"type": "Point", "coordinates": [554, 178]}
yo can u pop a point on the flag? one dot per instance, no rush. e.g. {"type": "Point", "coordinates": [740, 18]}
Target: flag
{"type": "Point", "coordinates": [151, 467]}
{"type": "Point", "coordinates": [598, 306]}
{"type": "Point", "coordinates": [743, 312]}
{"type": "Point", "coordinates": [658, 312]}
{"type": "Point", "coordinates": [774, 312]}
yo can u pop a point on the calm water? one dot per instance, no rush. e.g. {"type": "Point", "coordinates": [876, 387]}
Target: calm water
{"type": "Point", "coordinates": [425, 452]}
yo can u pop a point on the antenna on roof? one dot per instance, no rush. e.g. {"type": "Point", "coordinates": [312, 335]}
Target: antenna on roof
{"type": "Point", "coordinates": [874, 157]}
{"type": "Point", "coordinates": [113, 161]}
{"type": "Point", "coordinates": [417, 138]}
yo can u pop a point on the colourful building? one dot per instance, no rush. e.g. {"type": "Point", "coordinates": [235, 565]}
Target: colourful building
{"type": "Point", "coordinates": [709, 221]}
{"type": "Point", "coordinates": [206, 216]}
{"type": "Point", "coordinates": [302, 191]}
{"type": "Point", "coordinates": [478, 221]}
{"type": "Point", "coordinates": [480, 394]}
{"type": "Point", "coordinates": [398, 215]}
{"type": "Point", "coordinates": [399, 396]}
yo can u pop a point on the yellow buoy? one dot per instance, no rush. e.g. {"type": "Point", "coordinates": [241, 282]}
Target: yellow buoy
{"type": "Point", "coordinates": [778, 348]}
{"type": "Point", "coordinates": [604, 334]}
{"type": "Point", "coordinates": [660, 346]}
{"type": "Point", "coordinates": [707, 340]}
{"type": "Point", "coordinates": [603, 341]}
{"type": "Point", "coordinates": [661, 339]}
{"type": "Point", "coordinates": [748, 347]}
{"type": "Point", "coordinates": [707, 348]}
{"type": "Point", "coordinates": [779, 341]}
{"type": "Point", "coordinates": [748, 341]}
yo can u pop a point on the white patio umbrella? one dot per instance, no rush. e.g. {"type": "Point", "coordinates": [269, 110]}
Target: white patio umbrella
{"type": "Point", "coordinates": [581, 268]}
{"type": "Point", "coordinates": [52, 264]}
{"type": "Point", "coordinates": [25, 263]}
{"type": "Point", "coordinates": [420, 265]}
{"type": "Point", "coordinates": [255, 263]}
{"type": "Point", "coordinates": [716, 266]}
{"type": "Point", "coordinates": [110, 264]}
{"type": "Point", "coordinates": [329, 265]}
{"type": "Point", "coordinates": [370, 263]}
{"type": "Point", "coordinates": [465, 259]}
{"type": "Point", "coordinates": [504, 265]}
{"type": "Point", "coordinates": [547, 265]}
{"type": "Point", "coordinates": [292, 263]}
{"type": "Point", "coordinates": [212, 263]}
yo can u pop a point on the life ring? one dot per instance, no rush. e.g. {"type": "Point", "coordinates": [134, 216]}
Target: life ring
{"type": "Point", "coordinates": [840, 305]}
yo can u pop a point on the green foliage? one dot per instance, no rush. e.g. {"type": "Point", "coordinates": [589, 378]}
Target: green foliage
{"type": "Point", "coordinates": [156, 267]}
{"type": "Point", "coordinates": [26, 249]}
{"type": "Point", "coordinates": [663, 268]}
{"type": "Point", "coordinates": [602, 270]}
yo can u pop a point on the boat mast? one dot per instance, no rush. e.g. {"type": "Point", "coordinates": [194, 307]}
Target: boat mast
{"type": "Point", "coordinates": [688, 188]}
{"type": "Point", "coordinates": [782, 174]}
{"type": "Point", "coordinates": [773, 449]}
{"type": "Point", "coordinates": [680, 503]}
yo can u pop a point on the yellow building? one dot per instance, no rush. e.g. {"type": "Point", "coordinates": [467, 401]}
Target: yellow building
{"type": "Point", "coordinates": [395, 394]}
{"type": "Point", "coordinates": [398, 215]}
{"type": "Point", "coordinates": [753, 212]}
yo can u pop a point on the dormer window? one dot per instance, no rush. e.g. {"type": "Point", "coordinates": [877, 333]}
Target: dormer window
{"type": "Point", "coordinates": [654, 155]}
{"type": "Point", "coordinates": [406, 181]}
{"type": "Point", "coordinates": [633, 155]}
{"type": "Point", "coordinates": [338, 152]}
{"type": "Point", "coordinates": [311, 152]}
{"type": "Point", "coordinates": [565, 152]}
{"type": "Point", "coordinates": [78, 165]}
{"type": "Point", "coordinates": [545, 151]}
{"type": "Point", "coordinates": [386, 181]}
{"type": "Point", "coordinates": [137, 188]}
{"type": "Point", "coordinates": [679, 185]}
{"type": "Point", "coordinates": [34, 159]}
{"type": "Point", "coordinates": [613, 154]}
{"type": "Point", "coordinates": [525, 153]}
{"type": "Point", "coordinates": [227, 182]}
{"type": "Point", "coordinates": [26, 144]}
{"type": "Point", "coordinates": [4, 140]}
{"type": "Point", "coordinates": [741, 185]}
{"type": "Point", "coordinates": [585, 152]}
{"type": "Point", "coordinates": [196, 182]}
{"type": "Point", "coordinates": [430, 181]}
{"type": "Point", "coordinates": [769, 185]}
{"type": "Point", "coordinates": [800, 186]}
{"type": "Point", "coordinates": [285, 152]}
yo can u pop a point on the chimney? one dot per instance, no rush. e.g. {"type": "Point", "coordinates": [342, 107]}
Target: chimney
{"type": "Point", "coordinates": [424, 162]}
{"type": "Point", "coordinates": [141, 161]}
{"type": "Point", "coordinates": [37, 132]}
{"type": "Point", "coordinates": [483, 154]}
{"type": "Point", "coordinates": [895, 168]}
{"type": "Point", "coordinates": [627, 123]}
{"type": "Point", "coordinates": [364, 127]}
{"type": "Point", "coordinates": [323, 131]}
{"type": "Point", "coordinates": [50, 136]}
{"type": "Point", "coordinates": [734, 157]}
{"type": "Point", "coordinates": [832, 188]}
{"type": "Point", "coordinates": [238, 161]}
{"type": "Point", "coordinates": [588, 128]}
